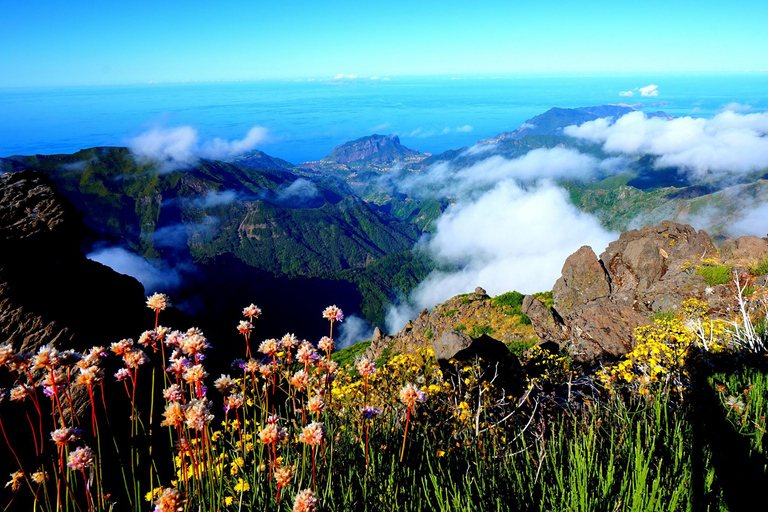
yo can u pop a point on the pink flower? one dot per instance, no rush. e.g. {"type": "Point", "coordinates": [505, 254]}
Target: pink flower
{"type": "Point", "coordinates": [80, 459]}
{"type": "Point", "coordinates": [158, 301]}
{"type": "Point", "coordinates": [64, 436]}
{"type": "Point", "coordinates": [306, 501]}
{"type": "Point", "coordinates": [333, 313]}
{"type": "Point", "coordinates": [366, 367]}
{"type": "Point", "coordinates": [410, 395]}
{"type": "Point", "coordinates": [312, 434]}
{"type": "Point", "coordinates": [326, 344]}
{"type": "Point", "coordinates": [252, 311]}
{"type": "Point", "coordinates": [244, 327]}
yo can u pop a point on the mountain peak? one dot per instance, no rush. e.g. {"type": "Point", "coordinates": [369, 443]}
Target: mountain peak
{"type": "Point", "coordinates": [372, 152]}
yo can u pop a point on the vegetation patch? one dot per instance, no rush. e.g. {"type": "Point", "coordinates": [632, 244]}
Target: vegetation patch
{"type": "Point", "coordinates": [715, 274]}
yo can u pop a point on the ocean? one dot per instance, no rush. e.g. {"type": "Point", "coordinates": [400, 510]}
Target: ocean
{"type": "Point", "coordinates": [306, 119]}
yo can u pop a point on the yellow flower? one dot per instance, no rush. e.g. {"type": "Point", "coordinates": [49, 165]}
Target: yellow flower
{"type": "Point", "coordinates": [228, 500]}
{"type": "Point", "coordinates": [242, 486]}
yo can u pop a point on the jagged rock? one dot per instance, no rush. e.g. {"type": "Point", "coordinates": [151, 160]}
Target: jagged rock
{"type": "Point", "coordinates": [746, 249]}
{"type": "Point", "coordinates": [599, 302]}
{"type": "Point", "coordinates": [450, 343]}
{"type": "Point", "coordinates": [377, 334]}
{"type": "Point", "coordinates": [480, 291]}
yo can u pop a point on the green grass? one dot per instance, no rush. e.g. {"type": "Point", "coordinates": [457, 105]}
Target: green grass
{"type": "Point", "coordinates": [760, 269]}
{"type": "Point", "coordinates": [662, 316]}
{"type": "Point", "coordinates": [715, 274]}
{"type": "Point", "coordinates": [477, 331]}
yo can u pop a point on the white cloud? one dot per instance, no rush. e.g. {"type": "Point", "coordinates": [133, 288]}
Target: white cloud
{"type": "Point", "coordinates": [375, 78]}
{"type": "Point", "coordinates": [153, 278]}
{"type": "Point", "coordinates": [382, 126]}
{"type": "Point", "coordinates": [725, 144]}
{"type": "Point", "coordinates": [737, 107]}
{"type": "Point", "coordinates": [506, 239]}
{"type": "Point", "coordinates": [626, 93]}
{"type": "Point", "coordinates": [464, 129]}
{"type": "Point", "coordinates": [299, 191]}
{"type": "Point", "coordinates": [352, 330]}
{"type": "Point", "coordinates": [215, 198]}
{"type": "Point", "coordinates": [755, 222]}
{"type": "Point", "coordinates": [649, 91]}
{"type": "Point", "coordinates": [179, 148]}
{"type": "Point", "coordinates": [344, 76]}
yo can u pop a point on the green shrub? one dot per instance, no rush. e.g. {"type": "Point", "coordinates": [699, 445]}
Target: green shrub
{"type": "Point", "coordinates": [760, 269]}
{"type": "Point", "coordinates": [479, 330]}
{"type": "Point", "coordinates": [449, 313]}
{"type": "Point", "coordinates": [519, 347]}
{"type": "Point", "coordinates": [428, 334]}
{"type": "Point", "coordinates": [715, 274]}
{"type": "Point", "coordinates": [662, 316]}
{"type": "Point", "coordinates": [524, 319]}
{"type": "Point", "coordinates": [512, 299]}
{"type": "Point", "coordinates": [460, 328]}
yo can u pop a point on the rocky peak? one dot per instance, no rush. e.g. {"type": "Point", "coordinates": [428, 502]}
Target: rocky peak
{"type": "Point", "coordinates": [599, 302]}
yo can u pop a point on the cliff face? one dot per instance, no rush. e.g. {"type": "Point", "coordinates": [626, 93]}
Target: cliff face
{"type": "Point", "coordinates": [49, 291]}
{"type": "Point", "coordinates": [599, 302]}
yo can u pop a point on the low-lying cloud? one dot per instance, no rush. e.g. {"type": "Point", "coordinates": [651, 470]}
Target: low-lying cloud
{"type": "Point", "coordinates": [649, 91]}
{"type": "Point", "coordinates": [154, 277]}
{"type": "Point", "coordinates": [508, 238]}
{"type": "Point", "coordinates": [729, 143]}
{"type": "Point", "coordinates": [352, 330]}
{"type": "Point", "coordinates": [180, 147]}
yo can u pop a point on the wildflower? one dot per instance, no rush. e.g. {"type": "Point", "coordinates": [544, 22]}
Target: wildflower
{"type": "Point", "coordinates": [194, 343]}
{"type": "Point", "coordinates": [284, 475]}
{"type": "Point", "coordinates": [16, 478]}
{"type": "Point", "coordinates": [195, 374]}
{"type": "Point", "coordinates": [173, 339]}
{"type": "Point", "coordinates": [224, 384]}
{"type": "Point", "coordinates": [366, 367]}
{"type": "Point", "coordinates": [40, 476]}
{"type": "Point", "coordinates": [266, 370]}
{"type": "Point", "coordinates": [197, 414]}
{"type": "Point", "coordinates": [272, 434]}
{"type": "Point", "coordinates": [178, 366]}
{"type": "Point", "coordinates": [6, 353]}
{"type": "Point", "coordinates": [300, 379]}
{"type": "Point", "coordinates": [289, 341]}
{"type": "Point", "coordinates": [306, 354]}
{"type": "Point", "coordinates": [89, 376]}
{"type": "Point", "coordinates": [148, 338]}
{"type": "Point", "coordinates": [173, 393]}
{"type": "Point", "coordinates": [234, 402]}
{"type": "Point", "coordinates": [306, 501]}
{"type": "Point", "coordinates": [242, 485]}
{"type": "Point", "coordinates": [229, 500]}
{"type": "Point", "coordinates": [272, 419]}
{"type": "Point", "coordinates": [312, 434]}
{"type": "Point", "coordinates": [333, 313]}
{"type": "Point", "coordinates": [80, 459]}
{"type": "Point", "coordinates": [64, 436]}
{"type": "Point", "coordinates": [121, 347]}
{"type": "Point", "coordinates": [251, 366]}
{"type": "Point", "coordinates": [169, 501]}
{"type": "Point", "coordinates": [244, 327]}
{"type": "Point", "coordinates": [158, 301]}
{"type": "Point", "coordinates": [370, 412]}
{"type": "Point", "coordinates": [47, 357]}
{"type": "Point", "coordinates": [174, 415]}
{"type": "Point", "coordinates": [134, 358]}
{"type": "Point", "coordinates": [316, 404]}
{"type": "Point", "coordinates": [269, 347]}
{"type": "Point", "coordinates": [326, 344]}
{"type": "Point", "coordinates": [410, 395]}
{"type": "Point", "coordinates": [252, 311]}
{"type": "Point", "coordinates": [19, 394]}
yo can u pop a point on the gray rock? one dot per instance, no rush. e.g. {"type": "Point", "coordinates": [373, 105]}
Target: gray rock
{"type": "Point", "coordinates": [450, 343]}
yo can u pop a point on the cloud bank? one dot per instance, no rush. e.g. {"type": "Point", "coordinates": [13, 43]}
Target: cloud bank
{"type": "Point", "coordinates": [153, 277]}
{"type": "Point", "coordinates": [180, 147]}
{"type": "Point", "coordinates": [729, 143]}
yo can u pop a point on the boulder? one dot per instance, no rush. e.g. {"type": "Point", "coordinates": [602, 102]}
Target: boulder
{"type": "Point", "coordinates": [746, 249]}
{"type": "Point", "coordinates": [449, 344]}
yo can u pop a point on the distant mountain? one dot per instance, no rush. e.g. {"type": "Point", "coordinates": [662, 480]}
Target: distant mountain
{"type": "Point", "coordinates": [259, 160]}
{"type": "Point", "coordinates": [374, 152]}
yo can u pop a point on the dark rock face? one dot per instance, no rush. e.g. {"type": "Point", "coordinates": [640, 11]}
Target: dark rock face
{"type": "Point", "coordinates": [599, 302]}
{"type": "Point", "coordinates": [49, 291]}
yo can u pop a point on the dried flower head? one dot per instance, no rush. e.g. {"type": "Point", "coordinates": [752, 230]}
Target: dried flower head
{"type": "Point", "coordinates": [90, 376]}
{"type": "Point", "coordinates": [194, 343]}
{"type": "Point", "coordinates": [252, 311]}
{"type": "Point", "coordinates": [158, 301]}
{"type": "Point", "coordinates": [17, 477]}
{"type": "Point", "coordinates": [122, 374]}
{"type": "Point", "coordinates": [312, 434]}
{"type": "Point", "coordinates": [306, 501]}
{"type": "Point", "coordinates": [251, 366]}
{"type": "Point", "coordinates": [40, 476]}
{"type": "Point", "coordinates": [80, 459]}
{"type": "Point", "coordinates": [306, 354]}
{"type": "Point", "coordinates": [235, 401]}
{"type": "Point", "coordinates": [134, 358]}
{"type": "Point", "coordinates": [6, 353]}
{"type": "Point", "coordinates": [195, 374]}
{"type": "Point", "coordinates": [19, 394]}
{"type": "Point", "coordinates": [289, 341]}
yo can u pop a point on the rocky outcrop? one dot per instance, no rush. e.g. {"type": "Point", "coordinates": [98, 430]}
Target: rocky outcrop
{"type": "Point", "coordinates": [49, 291]}
{"type": "Point", "coordinates": [598, 302]}
{"type": "Point", "coordinates": [454, 328]}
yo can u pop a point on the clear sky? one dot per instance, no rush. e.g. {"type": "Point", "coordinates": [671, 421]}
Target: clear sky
{"type": "Point", "coordinates": [77, 42]}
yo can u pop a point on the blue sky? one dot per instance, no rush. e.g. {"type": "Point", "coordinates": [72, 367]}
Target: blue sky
{"type": "Point", "coordinates": [115, 42]}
